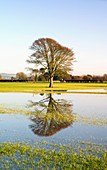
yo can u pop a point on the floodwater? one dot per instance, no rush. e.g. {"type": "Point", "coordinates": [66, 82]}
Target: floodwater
{"type": "Point", "coordinates": [60, 118]}
{"type": "Point", "coordinates": [89, 90]}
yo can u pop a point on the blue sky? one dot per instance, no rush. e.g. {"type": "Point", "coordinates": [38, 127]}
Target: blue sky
{"type": "Point", "coordinates": [77, 24]}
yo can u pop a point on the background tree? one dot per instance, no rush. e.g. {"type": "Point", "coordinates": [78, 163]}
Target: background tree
{"type": "Point", "coordinates": [87, 77]}
{"type": "Point", "coordinates": [105, 77]}
{"type": "Point", "coordinates": [51, 56]}
{"type": "Point", "coordinates": [21, 76]}
{"type": "Point", "coordinates": [34, 73]}
{"type": "Point", "coordinates": [62, 75]}
{"type": "Point", "coordinates": [1, 77]}
{"type": "Point", "coordinates": [41, 76]}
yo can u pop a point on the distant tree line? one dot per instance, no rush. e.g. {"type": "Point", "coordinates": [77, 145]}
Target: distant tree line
{"type": "Point", "coordinates": [62, 76]}
{"type": "Point", "coordinates": [88, 78]}
{"type": "Point", "coordinates": [20, 76]}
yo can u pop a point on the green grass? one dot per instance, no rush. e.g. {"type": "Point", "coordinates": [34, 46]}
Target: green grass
{"type": "Point", "coordinates": [37, 87]}
{"type": "Point", "coordinates": [57, 157]}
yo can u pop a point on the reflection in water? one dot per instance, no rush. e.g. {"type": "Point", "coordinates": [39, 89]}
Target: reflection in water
{"type": "Point", "coordinates": [50, 116]}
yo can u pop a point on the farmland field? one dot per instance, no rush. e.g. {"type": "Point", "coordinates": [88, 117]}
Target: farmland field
{"type": "Point", "coordinates": [35, 87]}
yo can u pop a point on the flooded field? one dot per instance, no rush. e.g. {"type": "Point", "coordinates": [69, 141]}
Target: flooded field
{"type": "Point", "coordinates": [53, 131]}
{"type": "Point", "coordinates": [58, 118]}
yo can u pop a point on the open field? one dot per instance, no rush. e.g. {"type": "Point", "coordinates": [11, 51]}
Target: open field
{"type": "Point", "coordinates": [42, 86]}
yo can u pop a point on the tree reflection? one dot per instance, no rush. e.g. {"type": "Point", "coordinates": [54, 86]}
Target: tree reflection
{"type": "Point", "coordinates": [50, 115]}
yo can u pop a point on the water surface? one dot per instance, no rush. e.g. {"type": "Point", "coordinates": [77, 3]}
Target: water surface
{"type": "Point", "coordinates": [61, 118]}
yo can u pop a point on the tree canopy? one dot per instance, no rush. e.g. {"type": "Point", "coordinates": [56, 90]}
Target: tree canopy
{"type": "Point", "coordinates": [51, 56]}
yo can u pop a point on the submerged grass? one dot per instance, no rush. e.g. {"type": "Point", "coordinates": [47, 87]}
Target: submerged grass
{"type": "Point", "coordinates": [98, 121]}
{"type": "Point", "coordinates": [61, 157]}
{"type": "Point", "coordinates": [8, 110]}
{"type": "Point", "coordinates": [43, 86]}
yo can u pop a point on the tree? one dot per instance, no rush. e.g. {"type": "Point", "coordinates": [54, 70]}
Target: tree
{"type": "Point", "coordinates": [21, 76]}
{"type": "Point", "coordinates": [62, 75]}
{"type": "Point", "coordinates": [51, 56]}
{"type": "Point", "coordinates": [1, 77]}
{"type": "Point", "coordinates": [34, 74]}
{"type": "Point", "coordinates": [105, 77]}
{"type": "Point", "coordinates": [87, 77]}
{"type": "Point", "coordinates": [41, 76]}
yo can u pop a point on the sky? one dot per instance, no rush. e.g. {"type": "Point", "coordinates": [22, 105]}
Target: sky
{"type": "Point", "coordinates": [78, 24]}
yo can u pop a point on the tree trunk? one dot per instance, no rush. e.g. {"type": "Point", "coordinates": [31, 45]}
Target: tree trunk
{"type": "Point", "coordinates": [51, 82]}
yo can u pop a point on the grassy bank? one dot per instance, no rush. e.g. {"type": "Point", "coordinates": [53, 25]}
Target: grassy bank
{"type": "Point", "coordinates": [23, 156]}
{"type": "Point", "coordinates": [36, 87]}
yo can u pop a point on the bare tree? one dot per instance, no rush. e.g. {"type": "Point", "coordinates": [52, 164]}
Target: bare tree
{"type": "Point", "coordinates": [51, 56]}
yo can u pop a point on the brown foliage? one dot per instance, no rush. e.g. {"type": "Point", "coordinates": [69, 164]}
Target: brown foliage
{"type": "Point", "coordinates": [21, 76]}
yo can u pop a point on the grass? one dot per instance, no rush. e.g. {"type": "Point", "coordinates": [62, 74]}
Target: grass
{"type": "Point", "coordinates": [42, 86]}
{"type": "Point", "coordinates": [62, 157]}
